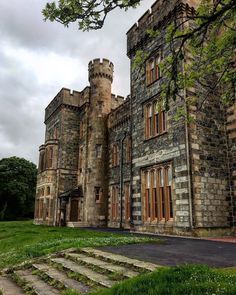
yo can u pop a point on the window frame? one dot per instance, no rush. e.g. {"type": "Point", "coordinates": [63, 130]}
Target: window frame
{"type": "Point", "coordinates": [154, 118]}
{"type": "Point", "coordinates": [157, 194]}
{"type": "Point", "coordinates": [153, 71]}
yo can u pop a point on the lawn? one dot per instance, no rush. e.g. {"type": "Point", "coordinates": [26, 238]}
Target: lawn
{"type": "Point", "coordinates": [22, 240]}
{"type": "Point", "coordinates": [182, 280]}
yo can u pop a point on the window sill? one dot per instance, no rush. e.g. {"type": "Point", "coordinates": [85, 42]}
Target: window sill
{"type": "Point", "coordinates": [150, 84]}
{"type": "Point", "coordinates": [156, 136]}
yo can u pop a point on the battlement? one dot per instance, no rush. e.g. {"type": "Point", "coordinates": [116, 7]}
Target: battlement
{"type": "Point", "coordinates": [101, 68]}
{"type": "Point", "coordinates": [158, 16]}
{"type": "Point", "coordinates": [116, 101]}
{"type": "Point", "coordinates": [120, 115]}
{"type": "Point", "coordinates": [64, 96]}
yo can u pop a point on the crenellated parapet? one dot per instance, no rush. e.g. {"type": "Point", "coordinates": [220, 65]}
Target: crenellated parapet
{"type": "Point", "coordinates": [64, 97]}
{"type": "Point", "coordinates": [116, 101]}
{"type": "Point", "coordinates": [160, 15]}
{"type": "Point", "coordinates": [120, 115]}
{"type": "Point", "coordinates": [101, 69]}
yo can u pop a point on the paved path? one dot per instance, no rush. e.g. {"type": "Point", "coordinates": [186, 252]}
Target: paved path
{"type": "Point", "coordinates": [177, 251]}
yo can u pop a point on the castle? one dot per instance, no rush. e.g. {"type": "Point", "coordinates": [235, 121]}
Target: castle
{"type": "Point", "coordinates": [115, 162]}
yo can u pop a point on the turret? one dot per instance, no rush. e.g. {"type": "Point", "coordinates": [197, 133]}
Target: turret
{"type": "Point", "coordinates": [100, 78]}
{"type": "Point", "coordinates": [96, 200]}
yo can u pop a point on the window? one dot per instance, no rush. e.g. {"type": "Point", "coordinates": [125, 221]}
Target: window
{"type": "Point", "coordinates": [147, 196]}
{"type": "Point", "coordinates": [40, 208]}
{"type": "Point", "coordinates": [115, 155]}
{"type": "Point", "coordinates": [128, 150]}
{"type": "Point", "coordinates": [48, 190]}
{"type": "Point", "coordinates": [98, 194]}
{"type": "Point", "coordinates": [157, 193]}
{"type": "Point", "coordinates": [127, 201]}
{"type": "Point", "coordinates": [148, 120]}
{"type": "Point", "coordinates": [47, 207]}
{"type": "Point", "coordinates": [41, 161]}
{"type": "Point", "coordinates": [114, 202]}
{"type": "Point", "coordinates": [153, 72]}
{"type": "Point", "coordinates": [155, 120]}
{"type": "Point", "coordinates": [98, 151]}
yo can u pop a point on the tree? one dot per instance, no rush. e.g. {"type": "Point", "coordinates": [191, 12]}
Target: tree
{"type": "Point", "coordinates": [201, 44]}
{"type": "Point", "coordinates": [17, 188]}
{"type": "Point", "coordinates": [90, 14]}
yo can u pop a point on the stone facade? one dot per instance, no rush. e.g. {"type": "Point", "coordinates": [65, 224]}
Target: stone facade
{"type": "Point", "coordinates": [110, 161]}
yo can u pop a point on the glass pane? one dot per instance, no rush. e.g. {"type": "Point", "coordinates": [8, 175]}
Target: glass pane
{"type": "Point", "coordinates": [149, 111]}
{"type": "Point", "coordinates": [169, 176]}
{"type": "Point", "coordinates": [147, 180]}
{"type": "Point", "coordinates": [161, 178]}
{"type": "Point", "coordinates": [154, 179]}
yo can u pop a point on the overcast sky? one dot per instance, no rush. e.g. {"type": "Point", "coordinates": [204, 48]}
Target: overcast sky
{"type": "Point", "coordinates": [38, 58]}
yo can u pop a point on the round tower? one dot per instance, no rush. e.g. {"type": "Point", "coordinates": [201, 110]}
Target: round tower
{"type": "Point", "coordinates": [96, 196]}
{"type": "Point", "coordinates": [100, 78]}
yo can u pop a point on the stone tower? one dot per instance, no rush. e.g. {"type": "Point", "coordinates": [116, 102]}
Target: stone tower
{"type": "Point", "coordinates": [100, 78]}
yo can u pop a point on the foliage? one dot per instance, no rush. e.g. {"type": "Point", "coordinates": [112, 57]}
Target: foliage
{"type": "Point", "coordinates": [201, 55]}
{"type": "Point", "coordinates": [21, 240]}
{"type": "Point", "coordinates": [89, 14]}
{"type": "Point", "coordinates": [17, 188]}
{"type": "Point", "coordinates": [187, 280]}
{"type": "Point", "coordinates": [201, 46]}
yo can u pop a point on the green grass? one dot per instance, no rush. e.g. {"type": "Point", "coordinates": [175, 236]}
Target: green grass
{"type": "Point", "coordinates": [22, 240]}
{"type": "Point", "coordinates": [183, 280]}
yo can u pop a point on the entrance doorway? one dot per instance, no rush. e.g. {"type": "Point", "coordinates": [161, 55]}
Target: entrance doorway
{"type": "Point", "coordinates": [74, 210]}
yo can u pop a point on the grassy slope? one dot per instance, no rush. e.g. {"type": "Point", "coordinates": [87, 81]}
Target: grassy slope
{"type": "Point", "coordinates": [183, 280]}
{"type": "Point", "coordinates": [21, 240]}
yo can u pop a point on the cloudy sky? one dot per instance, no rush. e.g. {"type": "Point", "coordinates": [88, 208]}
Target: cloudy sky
{"type": "Point", "coordinates": [38, 58]}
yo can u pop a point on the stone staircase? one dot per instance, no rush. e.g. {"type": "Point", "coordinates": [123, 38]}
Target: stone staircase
{"type": "Point", "coordinates": [83, 270]}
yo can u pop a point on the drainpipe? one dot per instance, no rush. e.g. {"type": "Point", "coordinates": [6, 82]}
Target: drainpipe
{"type": "Point", "coordinates": [131, 163]}
{"type": "Point", "coordinates": [188, 158]}
{"type": "Point", "coordinates": [121, 178]}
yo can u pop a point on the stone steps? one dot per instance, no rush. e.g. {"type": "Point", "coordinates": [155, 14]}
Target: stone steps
{"type": "Point", "coordinates": [9, 287]}
{"type": "Point", "coordinates": [37, 284]}
{"type": "Point", "coordinates": [84, 271]}
{"type": "Point", "coordinates": [115, 258]}
{"type": "Point", "coordinates": [91, 261]}
{"type": "Point", "coordinates": [61, 277]}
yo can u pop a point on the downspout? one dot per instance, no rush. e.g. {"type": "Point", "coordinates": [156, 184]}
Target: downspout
{"type": "Point", "coordinates": [188, 158]}
{"type": "Point", "coordinates": [121, 179]}
{"type": "Point", "coordinates": [131, 164]}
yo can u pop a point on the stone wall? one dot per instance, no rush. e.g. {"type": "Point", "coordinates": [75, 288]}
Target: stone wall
{"type": "Point", "coordinates": [231, 136]}
{"type": "Point", "coordinates": [118, 131]}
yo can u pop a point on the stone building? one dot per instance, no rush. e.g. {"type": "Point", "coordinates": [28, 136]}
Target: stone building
{"type": "Point", "coordinates": [110, 161]}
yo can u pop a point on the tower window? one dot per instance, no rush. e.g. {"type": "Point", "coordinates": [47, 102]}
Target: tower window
{"type": "Point", "coordinates": [98, 194]}
{"type": "Point", "coordinates": [98, 151]}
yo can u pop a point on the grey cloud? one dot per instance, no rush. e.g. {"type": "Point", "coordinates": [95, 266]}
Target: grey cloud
{"type": "Point", "coordinates": [22, 97]}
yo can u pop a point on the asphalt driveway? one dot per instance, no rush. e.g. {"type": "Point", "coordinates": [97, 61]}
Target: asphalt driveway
{"type": "Point", "coordinates": [176, 251]}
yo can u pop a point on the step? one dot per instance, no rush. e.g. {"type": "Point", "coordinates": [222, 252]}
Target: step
{"type": "Point", "coordinates": [84, 271]}
{"type": "Point", "coordinates": [121, 259]}
{"type": "Point", "coordinates": [103, 264]}
{"type": "Point", "coordinates": [61, 277]}
{"type": "Point", "coordinates": [39, 286]}
{"type": "Point", "coordinates": [8, 287]}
